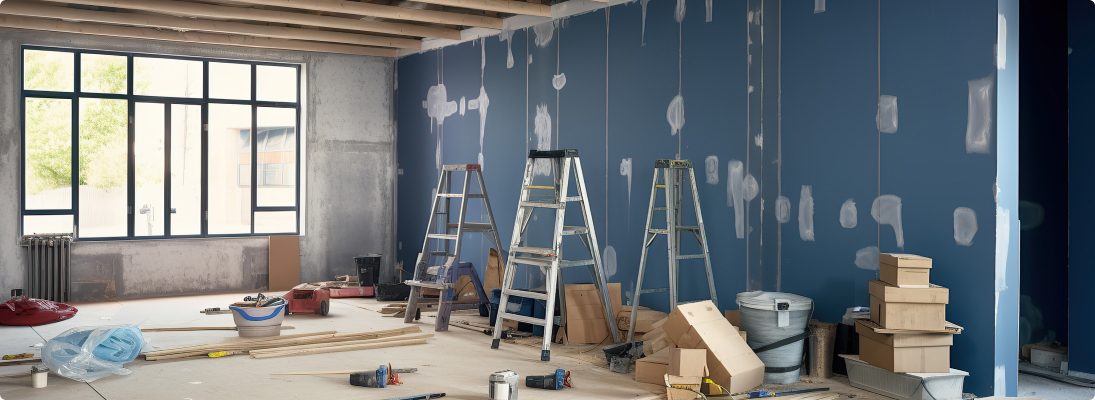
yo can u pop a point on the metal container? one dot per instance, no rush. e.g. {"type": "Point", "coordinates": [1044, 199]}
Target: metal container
{"type": "Point", "coordinates": [503, 385]}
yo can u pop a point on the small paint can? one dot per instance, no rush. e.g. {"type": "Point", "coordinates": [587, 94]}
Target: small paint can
{"type": "Point", "coordinates": [503, 385]}
{"type": "Point", "coordinates": [38, 377]}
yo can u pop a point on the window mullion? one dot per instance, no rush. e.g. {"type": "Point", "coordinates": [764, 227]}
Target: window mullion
{"type": "Point", "coordinates": [131, 183]}
{"type": "Point", "coordinates": [205, 150]}
{"type": "Point", "coordinates": [254, 148]}
{"type": "Point", "coordinates": [167, 215]}
{"type": "Point", "coordinates": [75, 147]}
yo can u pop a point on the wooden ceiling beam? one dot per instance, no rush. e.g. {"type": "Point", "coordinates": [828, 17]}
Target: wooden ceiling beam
{"type": "Point", "coordinates": [43, 10]}
{"type": "Point", "coordinates": [207, 11]}
{"type": "Point", "coordinates": [39, 24]}
{"type": "Point", "coordinates": [504, 6]}
{"type": "Point", "coordinates": [379, 11]}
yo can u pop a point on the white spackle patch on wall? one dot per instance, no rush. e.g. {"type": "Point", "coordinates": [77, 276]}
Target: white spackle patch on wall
{"type": "Point", "coordinates": [759, 140]}
{"type": "Point", "coordinates": [711, 169]}
{"type": "Point", "coordinates": [750, 188]}
{"type": "Point", "coordinates": [558, 81]}
{"type": "Point", "coordinates": [675, 114]}
{"type": "Point", "coordinates": [819, 6]}
{"type": "Point", "coordinates": [542, 130]}
{"type": "Point", "coordinates": [625, 170]}
{"type": "Point", "coordinates": [886, 118]}
{"type": "Point", "coordinates": [642, 39]}
{"type": "Point", "coordinates": [437, 105]}
{"type": "Point", "coordinates": [806, 213]}
{"type": "Point", "coordinates": [965, 225]}
{"type": "Point", "coordinates": [1003, 237]}
{"type": "Point", "coordinates": [886, 210]}
{"type": "Point", "coordinates": [530, 59]}
{"type": "Point", "coordinates": [678, 15]}
{"type": "Point", "coordinates": [609, 259]}
{"type": "Point", "coordinates": [1001, 46]}
{"type": "Point", "coordinates": [481, 104]}
{"type": "Point", "coordinates": [735, 195]}
{"type": "Point", "coordinates": [544, 32]}
{"type": "Point", "coordinates": [507, 36]}
{"type": "Point", "coordinates": [463, 105]}
{"type": "Point", "coordinates": [750, 89]}
{"type": "Point", "coordinates": [867, 258]}
{"type": "Point", "coordinates": [979, 121]}
{"type": "Point", "coordinates": [783, 209]}
{"type": "Point", "coordinates": [710, 9]}
{"type": "Point", "coordinates": [849, 215]}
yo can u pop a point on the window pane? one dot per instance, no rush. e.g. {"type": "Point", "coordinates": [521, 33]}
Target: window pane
{"type": "Point", "coordinates": [186, 169]}
{"type": "Point", "coordinates": [277, 157]}
{"type": "Point", "coordinates": [276, 83]}
{"type": "Point", "coordinates": [48, 70]}
{"type": "Point", "coordinates": [47, 224]}
{"type": "Point", "coordinates": [103, 73]}
{"type": "Point", "coordinates": [148, 154]}
{"type": "Point", "coordinates": [167, 77]}
{"type": "Point", "coordinates": [103, 167]}
{"type": "Point", "coordinates": [229, 168]}
{"type": "Point", "coordinates": [48, 154]}
{"type": "Point", "coordinates": [229, 81]}
{"type": "Point", "coordinates": [276, 222]}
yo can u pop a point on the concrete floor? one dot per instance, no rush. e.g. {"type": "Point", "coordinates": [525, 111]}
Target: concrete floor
{"type": "Point", "coordinates": [1034, 386]}
{"type": "Point", "coordinates": [457, 362]}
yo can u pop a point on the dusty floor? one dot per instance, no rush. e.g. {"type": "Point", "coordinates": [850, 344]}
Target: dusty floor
{"type": "Point", "coordinates": [1033, 386]}
{"type": "Point", "coordinates": [457, 362]}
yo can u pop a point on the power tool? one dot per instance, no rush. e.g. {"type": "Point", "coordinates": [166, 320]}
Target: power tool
{"type": "Point", "coordinates": [556, 381]}
{"type": "Point", "coordinates": [377, 378]}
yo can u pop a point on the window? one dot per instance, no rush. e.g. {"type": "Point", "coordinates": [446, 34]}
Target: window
{"type": "Point", "coordinates": [114, 145]}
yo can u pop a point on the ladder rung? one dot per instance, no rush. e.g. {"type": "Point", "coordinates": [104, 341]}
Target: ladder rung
{"type": "Point", "coordinates": [539, 187]}
{"type": "Point", "coordinates": [441, 236]}
{"type": "Point", "coordinates": [526, 294]}
{"type": "Point", "coordinates": [688, 228]}
{"type": "Point", "coordinates": [660, 186]}
{"type": "Point", "coordinates": [450, 195]}
{"type": "Point", "coordinates": [525, 319]}
{"type": "Point", "coordinates": [535, 250]}
{"type": "Point", "coordinates": [474, 226]}
{"type": "Point", "coordinates": [574, 198]}
{"type": "Point", "coordinates": [658, 231]}
{"type": "Point", "coordinates": [540, 262]}
{"type": "Point", "coordinates": [575, 230]}
{"type": "Point", "coordinates": [645, 291]}
{"type": "Point", "coordinates": [538, 204]}
{"type": "Point", "coordinates": [575, 263]}
{"type": "Point", "coordinates": [429, 285]}
{"type": "Point", "coordinates": [689, 256]}
{"type": "Point", "coordinates": [659, 208]}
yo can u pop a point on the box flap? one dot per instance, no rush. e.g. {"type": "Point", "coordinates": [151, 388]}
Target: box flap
{"type": "Point", "coordinates": [905, 260]}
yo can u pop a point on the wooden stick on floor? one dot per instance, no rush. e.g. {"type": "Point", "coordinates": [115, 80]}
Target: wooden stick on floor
{"type": "Point", "coordinates": [335, 349]}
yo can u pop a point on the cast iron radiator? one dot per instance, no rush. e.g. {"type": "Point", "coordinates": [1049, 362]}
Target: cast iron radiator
{"type": "Point", "coordinates": [48, 257]}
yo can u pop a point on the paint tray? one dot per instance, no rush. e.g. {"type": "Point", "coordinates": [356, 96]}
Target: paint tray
{"type": "Point", "coordinates": [941, 386]}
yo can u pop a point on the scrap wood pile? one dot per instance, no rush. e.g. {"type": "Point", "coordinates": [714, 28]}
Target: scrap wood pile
{"type": "Point", "coordinates": [301, 344]}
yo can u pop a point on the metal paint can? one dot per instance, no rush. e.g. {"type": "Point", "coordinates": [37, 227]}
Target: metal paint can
{"type": "Point", "coordinates": [503, 385]}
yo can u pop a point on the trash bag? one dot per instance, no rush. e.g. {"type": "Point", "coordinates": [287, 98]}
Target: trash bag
{"type": "Point", "coordinates": [26, 311]}
{"type": "Point", "coordinates": [88, 353]}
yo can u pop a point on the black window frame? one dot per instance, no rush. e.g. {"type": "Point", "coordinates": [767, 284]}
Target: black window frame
{"type": "Point", "coordinates": [132, 99]}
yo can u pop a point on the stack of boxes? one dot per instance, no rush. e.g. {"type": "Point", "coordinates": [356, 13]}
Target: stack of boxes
{"type": "Point", "coordinates": [908, 330]}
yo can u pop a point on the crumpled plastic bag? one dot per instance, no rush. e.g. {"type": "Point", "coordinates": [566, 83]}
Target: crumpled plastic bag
{"type": "Point", "coordinates": [85, 354]}
{"type": "Point", "coordinates": [26, 311]}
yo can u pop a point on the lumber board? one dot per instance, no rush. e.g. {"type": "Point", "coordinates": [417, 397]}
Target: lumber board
{"type": "Point", "coordinates": [335, 349]}
{"type": "Point", "coordinates": [346, 343]}
{"type": "Point", "coordinates": [275, 342]}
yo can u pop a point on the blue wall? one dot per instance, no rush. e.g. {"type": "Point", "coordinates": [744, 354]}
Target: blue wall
{"type": "Point", "coordinates": [1081, 166]}
{"type": "Point", "coordinates": [809, 120]}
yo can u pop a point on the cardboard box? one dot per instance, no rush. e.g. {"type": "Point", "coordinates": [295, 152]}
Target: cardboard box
{"type": "Point", "coordinates": [688, 362]}
{"type": "Point", "coordinates": [683, 387]}
{"type": "Point", "coordinates": [730, 361]}
{"type": "Point", "coordinates": [688, 315]}
{"type": "Point", "coordinates": [905, 339]}
{"type": "Point", "coordinates": [894, 294]}
{"type": "Point", "coordinates": [586, 322]}
{"type": "Point", "coordinates": [734, 316]}
{"type": "Point", "coordinates": [928, 359]}
{"type": "Point", "coordinates": [652, 368]}
{"type": "Point", "coordinates": [644, 323]}
{"type": "Point", "coordinates": [655, 344]}
{"type": "Point", "coordinates": [905, 260]}
{"type": "Point", "coordinates": [909, 316]}
{"type": "Point", "coordinates": [905, 270]}
{"type": "Point", "coordinates": [284, 263]}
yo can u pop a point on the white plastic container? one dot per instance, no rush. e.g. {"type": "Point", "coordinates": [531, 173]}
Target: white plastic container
{"type": "Point", "coordinates": [258, 321]}
{"type": "Point", "coordinates": [902, 386]}
{"type": "Point", "coordinates": [770, 317]}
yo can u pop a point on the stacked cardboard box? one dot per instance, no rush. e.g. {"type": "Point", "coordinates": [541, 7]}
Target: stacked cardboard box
{"type": "Point", "coordinates": [908, 330]}
{"type": "Point", "coordinates": [586, 320]}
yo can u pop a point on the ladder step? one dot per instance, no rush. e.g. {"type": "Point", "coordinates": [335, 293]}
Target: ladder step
{"type": "Point", "coordinates": [575, 230]}
{"type": "Point", "coordinates": [535, 250]}
{"type": "Point", "coordinates": [575, 263]}
{"type": "Point", "coordinates": [474, 226]}
{"type": "Point", "coordinates": [645, 291]}
{"type": "Point", "coordinates": [450, 195]}
{"type": "Point", "coordinates": [526, 294]}
{"type": "Point", "coordinates": [442, 236]}
{"type": "Point", "coordinates": [659, 208]}
{"type": "Point", "coordinates": [574, 198]}
{"type": "Point", "coordinates": [688, 228]}
{"type": "Point", "coordinates": [428, 285]}
{"type": "Point", "coordinates": [540, 262]}
{"type": "Point", "coordinates": [658, 231]}
{"type": "Point", "coordinates": [540, 187]}
{"type": "Point", "coordinates": [524, 318]}
{"type": "Point", "coordinates": [689, 256]}
{"type": "Point", "coordinates": [539, 204]}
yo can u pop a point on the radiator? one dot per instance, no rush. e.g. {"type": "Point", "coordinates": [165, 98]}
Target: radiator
{"type": "Point", "coordinates": [48, 259]}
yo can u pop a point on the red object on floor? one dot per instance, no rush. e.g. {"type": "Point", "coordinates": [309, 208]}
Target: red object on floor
{"type": "Point", "coordinates": [308, 299]}
{"type": "Point", "coordinates": [25, 311]}
{"type": "Point", "coordinates": [351, 291]}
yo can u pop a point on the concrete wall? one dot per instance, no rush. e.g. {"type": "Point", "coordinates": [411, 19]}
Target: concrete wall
{"type": "Point", "coordinates": [349, 182]}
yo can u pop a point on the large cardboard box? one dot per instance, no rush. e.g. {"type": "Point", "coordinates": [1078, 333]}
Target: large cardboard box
{"type": "Point", "coordinates": [688, 362]}
{"type": "Point", "coordinates": [586, 322]}
{"type": "Point", "coordinates": [687, 315]}
{"type": "Point", "coordinates": [927, 359]}
{"type": "Point", "coordinates": [730, 361]}
{"type": "Point", "coordinates": [893, 294]}
{"type": "Point", "coordinates": [643, 323]}
{"type": "Point", "coordinates": [905, 260]}
{"type": "Point", "coordinates": [652, 368]}
{"type": "Point", "coordinates": [909, 316]}
{"type": "Point", "coordinates": [905, 270]}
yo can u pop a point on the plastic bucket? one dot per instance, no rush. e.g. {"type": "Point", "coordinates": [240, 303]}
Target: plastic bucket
{"type": "Point", "coordinates": [776, 323]}
{"type": "Point", "coordinates": [258, 321]}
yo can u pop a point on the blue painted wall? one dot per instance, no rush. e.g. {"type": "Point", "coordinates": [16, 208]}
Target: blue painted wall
{"type": "Point", "coordinates": [809, 120]}
{"type": "Point", "coordinates": [1081, 255]}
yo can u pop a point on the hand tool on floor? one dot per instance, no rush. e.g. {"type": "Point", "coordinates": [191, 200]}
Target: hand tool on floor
{"type": "Point", "coordinates": [556, 381]}
{"type": "Point", "coordinates": [767, 393]}
{"type": "Point", "coordinates": [376, 378]}
{"type": "Point", "coordinates": [503, 385]}
{"type": "Point", "coordinates": [421, 397]}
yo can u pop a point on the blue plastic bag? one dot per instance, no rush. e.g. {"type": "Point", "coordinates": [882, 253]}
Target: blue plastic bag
{"type": "Point", "coordinates": [88, 353]}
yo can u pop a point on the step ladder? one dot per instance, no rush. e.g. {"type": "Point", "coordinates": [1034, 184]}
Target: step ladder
{"type": "Point", "coordinates": [671, 174]}
{"type": "Point", "coordinates": [438, 266]}
{"type": "Point", "coordinates": [550, 259]}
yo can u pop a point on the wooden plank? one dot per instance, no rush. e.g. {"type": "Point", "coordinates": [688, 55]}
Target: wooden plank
{"type": "Point", "coordinates": [17, 22]}
{"type": "Point", "coordinates": [346, 343]}
{"type": "Point", "coordinates": [506, 6]}
{"type": "Point", "coordinates": [335, 349]}
{"type": "Point", "coordinates": [214, 12]}
{"type": "Point", "coordinates": [36, 9]}
{"type": "Point", "coordinates": [379, 11]}
{"type": "Point", "coordinates": [199, 328]}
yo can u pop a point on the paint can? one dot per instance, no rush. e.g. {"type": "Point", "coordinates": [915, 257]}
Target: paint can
{"type": "Point", "coordinates": [38, 377]}
{"type": "Point", "coordinates": [776, 323]}
{"type": "Point", "coordinates": [503, 385]}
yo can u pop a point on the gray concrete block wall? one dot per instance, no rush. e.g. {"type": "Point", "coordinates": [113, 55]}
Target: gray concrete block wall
{"type": "Point", "coordinates": [349, 182]}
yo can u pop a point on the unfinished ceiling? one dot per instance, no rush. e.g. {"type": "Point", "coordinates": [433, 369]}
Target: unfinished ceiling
{"type": "Point", "coordinates": [365, 27]}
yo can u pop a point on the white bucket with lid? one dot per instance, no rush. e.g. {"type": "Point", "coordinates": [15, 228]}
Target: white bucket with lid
{"type": "Point", "coordinates": [776, 323]}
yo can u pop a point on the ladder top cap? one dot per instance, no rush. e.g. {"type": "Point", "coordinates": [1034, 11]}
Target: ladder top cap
{"type": "Point", "coordinates": [552, 153]}
{"type": "Point", "coordinates": [667, 163]}
{"type": "Point", "coordinates": [461, 167]}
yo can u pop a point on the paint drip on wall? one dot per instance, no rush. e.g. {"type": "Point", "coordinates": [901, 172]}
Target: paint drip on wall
{"type": "Point", "coordinates": [783, 209]}
{"type": "Point", "coordinates": [542, 130]}
{"type": "Point", "coordinates": [886, 118]}
{"type": "Point", "coordinates": [642, 39]}
{"type": "Point", "coordinates": [867, 258]}
{"type": "Point", "coordinates": [530, 59]}
{"type": "Point", "coordinates": [886, 210]}
{"type": "Point", "coordinates": [849, 215]}
{"type": "Point", "coordinates": [675, 114]}
{"type": "Point", "coordinates": [819, 6]}
{"type": "Point", "coordinates": [625, 170]}
{"type": "Point", "coordinates": [481, 104]}
{"type": "Point", "coordinates": [711, 169]}
{"type": "Point", "coordinates": [679, 14]}
{"type": "Point", "coordinates": [965, 225]}
{"type": "Point", "coordinates": [979, 120]}
{"type": "Point", "coordinates": [437, 105]}
{"type": "Point", "coordinates": [507, 36]}
{"type": "Point", "coordinates": [544, 32]}
{"type": "Point", "coordinates": [608, 258]}
{"type": "Point", "coordinates": [806, 213]}
{"type": "Point", "coordinates": [735, 194]}
{"type": "Point", "coordinates": [710, 9]}
{"type": "Point", "coordinates": [558, 81]}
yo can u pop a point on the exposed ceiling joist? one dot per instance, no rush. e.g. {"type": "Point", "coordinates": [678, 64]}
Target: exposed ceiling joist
{"type": "Point", "coordinates": [504, 6]}
{"type": "Point", "coordinates": [198, 10]}
{"type": "Point", "coordinates": [189, 37]}
{"type": "Point", "coordinates": [42, 10]}
{"type": "Point", "coordinates": [379, 11]}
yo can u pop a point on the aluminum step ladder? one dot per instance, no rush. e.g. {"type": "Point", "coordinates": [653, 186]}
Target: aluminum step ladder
{"type": "Point", "coordinates": [672, 174]}
{"type": "Point", "coordinates": [550, 259]}
{"type": "Point", "coordinates": [438, 268]}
